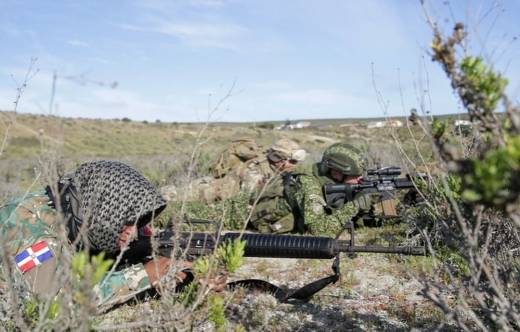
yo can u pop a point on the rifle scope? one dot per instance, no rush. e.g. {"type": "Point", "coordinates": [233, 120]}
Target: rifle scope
{"type": "Point", "coordinates": [385, 171]}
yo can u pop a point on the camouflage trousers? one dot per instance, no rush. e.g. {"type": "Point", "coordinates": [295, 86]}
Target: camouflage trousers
{"type": "Point", "coordinates": [233, 212]}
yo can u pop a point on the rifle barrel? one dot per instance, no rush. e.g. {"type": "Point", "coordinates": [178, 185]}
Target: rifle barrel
{"type": "Point", "coordinates": [319, 247]}
{"type": "Point", "coordinates": [285, 246]}
{"type": "Point", "coordinates": [344, 246]}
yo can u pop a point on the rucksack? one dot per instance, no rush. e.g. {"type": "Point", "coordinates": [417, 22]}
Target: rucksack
{"type": "Point", "coordinates": [240, 151]}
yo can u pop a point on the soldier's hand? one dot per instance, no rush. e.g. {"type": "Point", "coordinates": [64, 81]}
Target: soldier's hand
{"type": "Point", "coordinates": [158, 268]}
{"type": "Point", "coordinates": [217, 283]}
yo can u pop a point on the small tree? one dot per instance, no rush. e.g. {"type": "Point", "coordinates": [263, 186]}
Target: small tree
{"type": "Point", "coordinates": [472, 220]}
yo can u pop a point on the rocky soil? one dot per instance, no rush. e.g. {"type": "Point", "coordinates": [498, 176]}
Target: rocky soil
{"type": "Point", "coordinates": [375, 292]}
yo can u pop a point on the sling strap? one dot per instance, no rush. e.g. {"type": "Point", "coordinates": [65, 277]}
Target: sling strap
{"type": "Point", "coordinates": [291, 185]}
{"type": "Point", "coordinates": [302, 294]}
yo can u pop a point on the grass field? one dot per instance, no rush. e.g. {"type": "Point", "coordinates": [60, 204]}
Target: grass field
{"type": "Point", "coordinates": [162, 150]}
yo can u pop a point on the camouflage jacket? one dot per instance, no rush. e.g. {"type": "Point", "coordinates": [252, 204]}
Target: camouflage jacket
{"type": "Point", "coordinates": [29, 232]}
{"type": "Point", "coordinates": [293, 202]}
{"type": "Point", "coordinates": [270, 211]}
{"type": "Point", "coordinates": [311, 210]}
{"type": "Point", "coordinates": [244, 176]}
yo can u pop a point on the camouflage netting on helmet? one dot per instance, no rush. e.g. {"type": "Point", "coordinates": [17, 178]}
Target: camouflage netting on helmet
{"type": "Point", "coordinates": [111, 195]}
{"type": "Point", "coordinates": [345, 158]}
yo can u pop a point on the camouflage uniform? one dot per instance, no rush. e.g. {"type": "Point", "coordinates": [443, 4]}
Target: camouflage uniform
{"type": "Point", "coordinates": [235, 211]}
{"type": "Point", "coordinates": [241, 167]}
{"type": "Point", "coordinates": [32, 222]}
{"type": "Point", "coordinates": [296, 203]}
{"type": "Point", "coordinates": [318, 218]}
{"type": "Point", "coordinates": [29, 220]}
{"type": "Point", "coordinates": [271, 212]}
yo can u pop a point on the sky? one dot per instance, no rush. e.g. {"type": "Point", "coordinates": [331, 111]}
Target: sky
{"type": "Point", "coordinates": [242, 60]}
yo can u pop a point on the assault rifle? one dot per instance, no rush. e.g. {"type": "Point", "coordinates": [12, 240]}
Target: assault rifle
{"type": "Point", "coordinates": [195, 244]}
{"type": "Point", "coordinates": [383, 181]}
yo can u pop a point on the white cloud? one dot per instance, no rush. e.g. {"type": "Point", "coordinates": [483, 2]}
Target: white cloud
{"type": "Point", "coordinates": [107, 103]}
{"type": "Point", "coordinates": [272, 85]}
{"type": "Point", "coordinates": [91, 101]}
{"type": "Point", "coordinates": [76, 42]}
{"type": "Point", "coordinates": [222, 35]}
{"type": "Point", "coordinates": [200, 34]}
{"type": "Point", "coordinates": [208, 3]}
{"type": "Point", "coordinates": [100, 60]}
{"type": "Point", "coordinates": [162, 6]}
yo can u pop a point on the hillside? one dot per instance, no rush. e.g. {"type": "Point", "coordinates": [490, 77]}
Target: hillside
{"type": "Point", "coordinates": [160, 150]}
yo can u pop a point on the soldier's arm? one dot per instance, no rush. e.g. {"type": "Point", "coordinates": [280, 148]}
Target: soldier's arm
{"type": "Point", "coordinates": [121, 286]}
{"type": "Point", "coordinates": [319, 219]}
{"type": "Point", "coordinates": [313, 206]}
{"type": "Point", "coordinates": [31, 247]}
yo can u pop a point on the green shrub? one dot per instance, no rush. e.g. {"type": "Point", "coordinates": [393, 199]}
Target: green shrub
{"type": "Point", "coordinates": [231, 254]}
{"type": "Point", "coordinates": [216, 312]}
{"type": "Point", "coordinates": [483, 82]}
{"type": "Point", "coordinates": [95, 268]}
{"type": "Point", "coordinates": [495, 179]}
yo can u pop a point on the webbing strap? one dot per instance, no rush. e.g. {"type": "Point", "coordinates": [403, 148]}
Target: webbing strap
{"type": "Point", "coordinates": [291, 180]}
{"type": "Point", "coordinates": [302, 294]}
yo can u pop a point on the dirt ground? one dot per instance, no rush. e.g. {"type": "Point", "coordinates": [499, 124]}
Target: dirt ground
{"type": "Point", "coordinates": [376, 292]}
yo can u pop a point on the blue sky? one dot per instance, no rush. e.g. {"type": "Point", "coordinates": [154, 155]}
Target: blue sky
{"type": "Point", "coordinates": [174, 60]}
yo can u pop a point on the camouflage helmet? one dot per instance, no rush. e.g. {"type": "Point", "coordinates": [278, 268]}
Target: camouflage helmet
{"type": "Point", "coordinates": [344, 157]}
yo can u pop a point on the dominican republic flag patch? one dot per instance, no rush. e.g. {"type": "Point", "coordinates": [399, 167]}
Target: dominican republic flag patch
{"type": "Point", "coordinates": [33, 256]}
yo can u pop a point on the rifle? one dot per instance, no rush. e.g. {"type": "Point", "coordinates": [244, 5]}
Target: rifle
{"type": "Point", "coordinates": [383, 181]}
{"type": "Point", "coordinates": [195, 244]}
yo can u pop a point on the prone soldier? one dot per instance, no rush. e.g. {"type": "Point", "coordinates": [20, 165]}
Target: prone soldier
{"type": "Point", "coordinates": [102, 205]}
{"type": "Point", "coordinates": [243, 166]}
{"type": "Point", "coordinates": [296, 202]}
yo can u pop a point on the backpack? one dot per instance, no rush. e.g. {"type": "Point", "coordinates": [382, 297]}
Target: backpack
{"type": "Point", "coordinates": [240, 151]}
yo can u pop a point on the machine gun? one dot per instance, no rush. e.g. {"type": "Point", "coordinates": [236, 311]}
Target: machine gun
{"type": "Point", "coordinates": [194, 244]}
{"type": "Point", "coordinates": [383, 181]}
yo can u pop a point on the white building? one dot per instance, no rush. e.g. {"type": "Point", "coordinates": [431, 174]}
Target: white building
{"type": "Point", "coordinates": [291, 126]}
{"type": "Point", "coordinates": [383, 124]}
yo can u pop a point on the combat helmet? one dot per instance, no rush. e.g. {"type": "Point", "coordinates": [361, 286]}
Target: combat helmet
{"type": "Point", "coordinates": [344, 157]}
{"type": "Point", "coordinates": [286, 149]}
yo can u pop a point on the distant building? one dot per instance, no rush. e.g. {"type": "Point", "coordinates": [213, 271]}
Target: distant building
{"type": "Point", "coordinates": [302, 124]}
{"type": "Point", "coordinates": [463, 127]}
{"type": "Point", "coordinates": [291, 126]}
{"type": "Point", "coordinates": [383, 124]}
{"type": "Point", "coordinates": [459, 123]}
{"type": "Point", "coordinates": [349, 125]}
{"type": "Point", "coordinates": [375, 124]}
{"type": "Point", "coordinates": [394, 123]}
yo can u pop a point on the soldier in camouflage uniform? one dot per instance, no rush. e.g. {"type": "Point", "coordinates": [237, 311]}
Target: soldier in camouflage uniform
{"type": "Point", "coordinates": [243, 166]}
{"type": "Point", "coordinates": [283, 157]}
{"type": "Point", "coordinates": [102, 205]}
{"type": "Point", "coordinates": [296, 203]}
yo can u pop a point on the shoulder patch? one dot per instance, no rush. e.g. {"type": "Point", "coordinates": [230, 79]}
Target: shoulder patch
{"type": "Point", "coordinates": [33, 256]}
